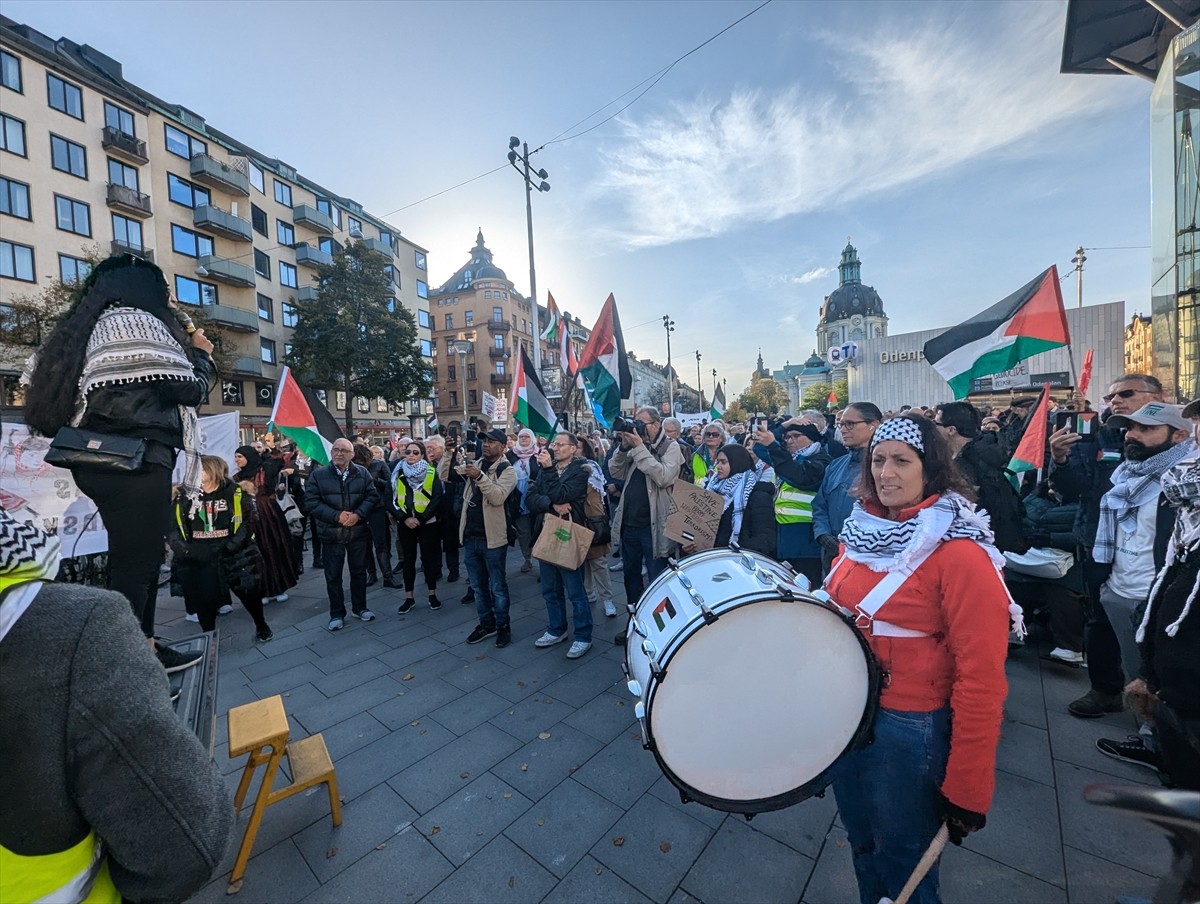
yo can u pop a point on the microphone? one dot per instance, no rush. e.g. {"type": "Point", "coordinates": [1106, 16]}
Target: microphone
{"type": "Point", "coordinates": [184, 320]}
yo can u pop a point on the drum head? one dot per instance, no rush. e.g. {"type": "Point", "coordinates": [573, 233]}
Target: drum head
{"type": "Point", "coordinates": [759, 704]}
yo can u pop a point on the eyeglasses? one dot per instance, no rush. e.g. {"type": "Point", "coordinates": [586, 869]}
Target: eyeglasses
{"type": "Point", "coordinates": [1124, 394]}
{"type": "Point", "coordinates": [844, 424]}
{"type": "Point", "coordinates": [412, 452]}
{"type": "Point", "coordinates": [337, 451]}
{"type": "Point", "coordinates": [560, 446]}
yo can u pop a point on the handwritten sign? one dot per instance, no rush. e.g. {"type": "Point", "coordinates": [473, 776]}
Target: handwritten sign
{"type": "Point", "coordinates": [693, 515]}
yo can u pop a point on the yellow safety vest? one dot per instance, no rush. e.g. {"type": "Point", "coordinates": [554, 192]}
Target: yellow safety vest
{"type": "Point", "coordinates": [237, 513]}
{"type": "Point", "coordinates": [793, 506]}
{"type": "Point", "coordinates": [421, 495]}
{"type": "Point", "coordinates": [78, 875]}
{"type": "Point", "coordinates": [700, 470]}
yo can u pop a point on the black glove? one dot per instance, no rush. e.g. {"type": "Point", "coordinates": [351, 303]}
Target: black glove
{"type": "Point", "coordinates": [829, 543]}
{"type": "Point", "coordinates": [1037, 538]}
{"type": "Point", "coordinates": [960, 822]}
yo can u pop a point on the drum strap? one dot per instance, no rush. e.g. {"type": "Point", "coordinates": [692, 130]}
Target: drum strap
{"type": "Point", "coordinates": [875, 599]}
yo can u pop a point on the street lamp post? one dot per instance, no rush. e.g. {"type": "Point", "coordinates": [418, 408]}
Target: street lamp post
{"type": "Point", "coordinates": [463, 346]}
{"type": "Point", "coordinates": [714, 384]}
{"type": "Point", "coordinates": [699, 388]}
{"type": "Point", "coordinates": [543, 185]}
{"type": "Point", "coordinates": [669, 326]}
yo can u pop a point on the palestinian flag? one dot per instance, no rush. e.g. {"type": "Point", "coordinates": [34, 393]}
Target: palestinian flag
{"type": "Point", "coordinates": [1030, 454]}
{"type": "Point", "coordinates": [550, 333]}
{"type": "Point", "coordinates": [530, 405]}
{"type": "Point", "coordinates": [832, 400]}
{"type": "Point", "coordinates": [605, 366]}
{"type": "Point", "coordinates": [431, 425]}
{"type": "Point", "coordinates": [566, 351]}
{"type": "Point", "coordinates": [1029, 321]}
{"type": "Point", "coordinates": [718, 406]}
{"type": "Point", "coordinates": [299, 415]}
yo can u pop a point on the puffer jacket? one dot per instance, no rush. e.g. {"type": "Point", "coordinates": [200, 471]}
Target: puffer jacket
{"type": "Point", "coordinates": [758, 523]}
{"type": "Point", "coordinates": [326, 496]}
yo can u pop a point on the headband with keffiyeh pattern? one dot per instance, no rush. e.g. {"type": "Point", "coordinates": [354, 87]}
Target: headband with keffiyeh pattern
{"type": "Point", "coordinates": [904, 429]}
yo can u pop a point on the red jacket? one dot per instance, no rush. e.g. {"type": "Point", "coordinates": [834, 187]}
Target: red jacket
{"type": "Point", "coordinates": [959, 598]}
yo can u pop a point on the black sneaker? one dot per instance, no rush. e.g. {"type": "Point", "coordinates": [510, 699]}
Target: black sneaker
{"type": "Point", "coordinates": [266, 635]}
{"type": "Point", "coordinates": [407, 605]}
{"type": "Point", "coordinates": [1094, 704]}
{"type": "Point", "coordinates": [619, 640]}
{"type": "Point", "coordinates": [1131, 750]}
{"type": "Point", "coordinates": [174, 661]}
{"type": "Point", "coordinates": [480, 633]}
{"type": "Point", "coordinates": [452, 577]}
{"type": "Point", "coordinates": [503, 637]}
{"type": "Point", "coordinates": [434, 602]}
{"type": "Point", "coordinates": [469, 598]}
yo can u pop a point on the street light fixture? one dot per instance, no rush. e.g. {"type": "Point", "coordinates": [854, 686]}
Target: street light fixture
{"type": "Point", "coordinates": [699, 389]}
{"type": "Point", "coordinates": [513, 143]}
{"type": "Point", "coordinates": [463, 346]}
{"type": "Point", "coordinates": [669, 326]}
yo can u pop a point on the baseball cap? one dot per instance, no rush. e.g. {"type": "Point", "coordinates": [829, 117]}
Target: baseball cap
{"type": "Point", "coordinates": [1153, 414]}
{"type": "Point", "coordinates": [497, 436]}
{"type": "Point", "coordinates": [1192, 410]}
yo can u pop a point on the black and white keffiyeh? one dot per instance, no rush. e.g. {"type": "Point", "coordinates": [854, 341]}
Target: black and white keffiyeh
{"type": "Point", "coordinates": [1134, 484]}
{"type": "Point", "coordinates": [904, 429]}
{"type": "Point", "coordinates": [1181, 486]}
{"type": "Point", "coordinates": [414, 472]}
{"type": "Point", "coordinates": [736, 489]}
{"type": "Point", "coordinates": [28, 557]}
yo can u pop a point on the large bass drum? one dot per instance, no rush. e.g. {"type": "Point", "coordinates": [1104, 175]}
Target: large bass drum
{"type": "Point", "coordinates": [749, 686]}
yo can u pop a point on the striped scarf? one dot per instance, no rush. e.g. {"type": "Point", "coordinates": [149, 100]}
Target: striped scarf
{"type": "Point", "coordinates": [1134, 484]}
{"type": "Point", "coordinates": [28, 557]}
{"type": "Point", "coordinates": [736, 489]}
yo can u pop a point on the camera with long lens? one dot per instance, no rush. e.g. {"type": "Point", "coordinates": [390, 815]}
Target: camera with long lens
{"type": "Point", "coordinates": [628, 425]}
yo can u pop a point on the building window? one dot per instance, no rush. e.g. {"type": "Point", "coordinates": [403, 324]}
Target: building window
{"type": "Point", "coordinates": [386, 238]}
{"type": "Point", "coordinates": [256, 177]}
{"type": "Point", "coordinates": [498, 340]}
{"type": "Point", "coordinates": [267, 346]}
{"type": "Point", "coordinates": [327, 245]}
{"type": "Point", "coordinates": [258, 219]}
{"type": "Point", "coordinates": [471, 371]}
{"type": "Point", "coordinates": [262, 264]}
{"type": "Point", "coordinates": [469, 317]}
{"type": "Point", "coordinates": [192, 291]}
{"type": "Point", "coordinates": [16, 261]}
{"type": "Point", "coordinates": [352, 224]}
{"type": "Point", "coordinates": [183, 192]}
{"type": "Point", "coordinates": [390, 304]}
{"type": "Point", "coordinates": [451, 372]}
{"type": "Point", "coordinates": [120, 174]}
{"type": "Point", "coordinates": [12, 135]}
{"type": "Point", "coordinates": [422, 289]}
{"type": "Point", "coordinates": [193, 244]}
{"type": "Point", "coordinates": [290, 315]}
{"type": "Point", "coordinates": [128, 232]}
{"type": "Point", "coordinates": [181, 144]}
{"type": "Point", "coordinates": [14, 198]}
{"type": "Point", "coordinates": [420, 259]}
{"type": "Point", "coordinates": [287, 350]}
{"type": "Point", "coordinates": [72, 270]}
{"type": "Point", "coordinates": [283, 193]}
{"type": "Point", "coordinates": [424, 320]}
{"type": "Point", "coordinates": [324, 205]}
{"type": "Point", "coordinates": [10, 71]}
{"type": "Point", "coordinates": [500, 366]}
{"type": "Point", "coordinates": [449, 321]}
{"type": "Point", "coordinates": [285, 233]}
{"type": "Point", "coordinates": [341, 400]}
{"type": "Point", "coordinates": [498, 315]}
{"type": "Point", "coordinates": [68, 157]}
{"type": "Point", "coordinates": [64, 96]}
{"type": "Point", "coordinates": [453, 399]}
{"type": "Point", "coordinates": [426, 348]}
{"type": "Point", "coordinates": [120, 119]}
{"type": "Point", "coordinates": [287, 275]}
{"type": "Point", "coordinates": [487, 293]}
{"type": "Point", "coordinates": [266, 308]}
{"type": "Point", "coordinates": [72, 216]}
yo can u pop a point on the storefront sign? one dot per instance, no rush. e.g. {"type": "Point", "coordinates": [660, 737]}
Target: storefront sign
{"type": "Point", "coordinates": [896, 357]}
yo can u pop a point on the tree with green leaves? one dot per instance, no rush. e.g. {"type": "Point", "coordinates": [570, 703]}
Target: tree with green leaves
{"type": "Point", "coordinates": [817, 395]}
{"type": "Point", "coordinates": [354, 337]}
{"type": "Point", "coordinates": [764, 395]}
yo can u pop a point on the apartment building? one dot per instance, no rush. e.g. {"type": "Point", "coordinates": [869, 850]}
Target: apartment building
{"type": "Point", "coordinates": [92, 165]}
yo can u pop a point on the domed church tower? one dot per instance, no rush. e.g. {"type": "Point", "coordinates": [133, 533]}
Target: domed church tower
{"type": "Point", "coordinates": [852, 312]}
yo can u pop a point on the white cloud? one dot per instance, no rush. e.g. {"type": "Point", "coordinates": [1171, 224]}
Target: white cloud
{"type": "Point", "coordinates": [913, 98]}
{"type": "Point", "coordinates": [814, 275]}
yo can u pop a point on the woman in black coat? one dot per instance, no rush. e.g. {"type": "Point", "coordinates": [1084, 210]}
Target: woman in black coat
{"type": "Point", "coordinates": [414, 499]}
{"type": "Point", "coordinates": [749, 516]}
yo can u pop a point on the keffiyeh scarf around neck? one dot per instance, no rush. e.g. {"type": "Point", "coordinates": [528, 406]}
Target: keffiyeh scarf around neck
{"type": "Point", "coordinates": [415, 472]}
{"type": "Point", "coordinates": [1134, 484]}
{"type": "Point", "coordinates": [28, 557]}
{"type": "Point", "coordinates": [1181, 486]}
{"type": "Point", "coordinates": [736, 489]}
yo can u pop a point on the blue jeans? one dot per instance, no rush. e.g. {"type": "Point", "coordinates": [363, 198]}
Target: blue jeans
{"type": "Point", "coordinates": [556, 581]}
{"type": "Point", "coordinates": [487, 574]}
{"type": "Point", "coordinates": [637, 547]}
{"type": "Point", "coordinates": [887, 794]}
{"type": "Point", "coordinates": [334, 556]}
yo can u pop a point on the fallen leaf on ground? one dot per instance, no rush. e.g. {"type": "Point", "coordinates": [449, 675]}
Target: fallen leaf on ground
{"type": "Point", "coordinates": [480, 658]}
{"type": "Point", "coordinates": [571, 770]}
{"type": "Point", "coordinates": [549, 699]}
{"type": "Point", "coordinates": [520, 684]}
{"type": "Point", "coordinates": [435, 830]}
{"type": "Point", "coordinates": [380, 847]}
{"type": "Point", "coordinates": [463, 774]}
{"type": "Point", "coordinates": [408, 677]}
{"type": "Point", "coordinates": [665, 847]}
{"type": "Point", "coordinates": [620, 703]}
{"type": "Point", "coordinates": [512, 881]}
{"type": "Point", "coordinates": [618, 841]}
{"type": "Point", "coordinates": [841, 842]}
{"type": "Point", "coordinates": [415, 722]}
{"type": "Point", "coordinates": [331, 853]}
{"type": "Point", "coordinates": [524, 767]}
{"type": "Point", "coordinates": [234, 887]}
{"type": "Point", "coordinates": [599, 871]}
{"type": "Point", "coordinates": [541, 822]}
{"type": "Point", "coordinates": [543, 736]}
{"type": "Point", "coordinates": [507, 795]}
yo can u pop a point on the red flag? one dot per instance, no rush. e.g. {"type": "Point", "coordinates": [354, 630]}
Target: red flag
{"type": "Point", "coordinates": [1031, 450]}
{"type": "Point", "coordinates": [832, 400]}
{"type": "Point", "coordinates": [1085, 375]}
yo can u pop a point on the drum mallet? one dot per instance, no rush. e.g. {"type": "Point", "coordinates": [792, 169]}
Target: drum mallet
{"type": "Point", "coordinates": [928, 859]}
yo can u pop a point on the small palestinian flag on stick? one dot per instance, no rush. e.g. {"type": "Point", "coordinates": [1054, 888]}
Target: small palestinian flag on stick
{"type": "Point", "coordinates": [299, 415]}
{"type": "Point", "coordinates": [1030, 454]}
{"type": "Point", "coordinates": [431, 425]}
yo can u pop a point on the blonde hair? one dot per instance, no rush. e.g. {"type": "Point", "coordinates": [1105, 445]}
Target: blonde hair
{"type": "Point", "coordinates": [215, 468]}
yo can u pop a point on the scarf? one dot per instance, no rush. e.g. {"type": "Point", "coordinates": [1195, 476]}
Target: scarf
{"type": "Point", "coordinates": [736, 489]}
{"type": "Point", "coordinates": [526, 446]}
{"type": "Point", "coordinates": [596, 478]}
{"type": "Point", "coordinates": [1181, 486]}
{"type": "Point", "coordinates": [28, 557]}
{"type": "Point", "coordinates": [1134, 484]}
{"type": "Point", "coordinates": [414, 473]}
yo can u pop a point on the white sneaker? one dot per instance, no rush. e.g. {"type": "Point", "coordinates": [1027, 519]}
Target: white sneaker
{"type": "Point", "coordinates": [192, 617]}
{"type": "Point", "coordinates": [610, 610]}
{"type": "Point", "coordinates": [549, 640]}
{"type": "Point", "coordinates": [1070, 656]}
{"type": "Point", "coordinates": [366, 615]}
{"type": "Point", "coordinates": [578, 648]}
{"type": "Point", "coordinates": [225, 610]}
{"type": "Point", "coordinates": [282, 598]}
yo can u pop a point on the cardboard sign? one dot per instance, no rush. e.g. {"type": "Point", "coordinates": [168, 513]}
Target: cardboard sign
{"type": "Point", "coordinates": [693, 515]}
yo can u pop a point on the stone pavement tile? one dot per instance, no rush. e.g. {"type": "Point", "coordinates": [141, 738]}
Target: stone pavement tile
{"type": "Point", "coordinates": [592, 883]}
{"type": "Point", "coordinates": [304, 673]}
{"type": "Point", "coordinates": [455, 628]}
{"type": "Point", "coordinates": [622, 771]}
{"type": "Point", "coordinates": [353, 640]}
{"type": "Point", "coordinates": [658, 846]}
{"type": "Point", "coordinates": [407, 868]}
{"type": "Point", "coordinates": [277, 874]}
{"type": "Point", "coordinates": [478, 670]}
{"type": "Point", "coordinates": [560, 829]}
{"type": "Point", "coordinates": [1090, 879]}
{"type": "Point", "coordinates": [740, 864]}
{"type": "Point", "coordinates": [367, 821]}
{"type": "Point", "coordinates": [414, 699]}
{"type": "Point", "coordinates": [346, 704]}
{"type": "Point", "coordinates": [682, 897]}
{"type": "Point", "coordinates": [1073, 741]}
{"type": "Point", "coordinates": [533, 715]}
{"type": "Point", "coordinates": [541, 764]}
{"type": "Point", "coordinates": [368, 766]}
{"type": "Point", "coordinates": [229, 696]}
{"type": "Point", "coordinates": [413, 651]}
{"type": "Point", "coordinates": [802, 827]}
{"type": "Point", "coordinates": [465, 823]}
{"type": "Point", "coordinates": [1022, 830]}
{"type": "Point", "coordinates": [544, 669]}
{"type": "Point", "coordinates": [1024, 702]}
{"type": "Point", "coordinates": [605, 716]}
{"type": "Point", "coordinates": [428, 782]}
{"type": "Point", "coordinates": [397, 631]}
{"type": "Point", "coordinates": [969, 878]}
{"type": "Point", "coordinates": [669, 794]}
{"type": "Point", "coordinates": [832, 880]}
{"type": "Point", "coordinates": [355, 654]}
{"type": "Point", "coordinates": [591, 679]}
{"type": "Point", "coordinates": [1025, 751]}
{"type": "Point", "coordinates": [275, 664]}
{"type": "Point", "coordinates": [501, 872]}
{"type": "Point", "coordinates": [348, 736]}
{"type": "Point", "coordinates": [463, 714]}
{"type": "Point", "coordinates": [286, 640]}
{"type": "Point", "coordinates": [333, 683]}
{"type": "Point", "coordinates": [434, 666]}
{"type": "Point", "coordinates": [1103, 832]}
{"type": "Point", "coordinates": [230, 660]}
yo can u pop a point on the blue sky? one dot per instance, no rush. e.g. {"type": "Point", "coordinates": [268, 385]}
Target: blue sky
{"type": "Point", "coordinates": [939, 136]}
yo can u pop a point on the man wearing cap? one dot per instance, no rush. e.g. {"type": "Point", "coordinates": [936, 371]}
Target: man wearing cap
{"type": "Point", "coordinates": [484, 533]}
{"type": "Point", "coordinates": [798, 472]}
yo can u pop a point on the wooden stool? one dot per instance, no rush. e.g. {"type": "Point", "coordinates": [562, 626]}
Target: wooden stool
{"type": "Point", "coordinates": [261, 730]}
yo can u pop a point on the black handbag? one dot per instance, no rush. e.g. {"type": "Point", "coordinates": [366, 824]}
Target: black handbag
{"type": "Point", "coordinates": [76, 448]}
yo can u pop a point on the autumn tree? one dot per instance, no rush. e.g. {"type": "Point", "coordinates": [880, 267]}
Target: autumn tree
{"type": "Point", "coordinates": [817, 395]}
{"type": "Point", "coordinates": [764, 395]}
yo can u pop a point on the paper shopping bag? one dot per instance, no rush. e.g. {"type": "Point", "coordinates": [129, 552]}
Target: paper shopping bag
{"type": "Point", "coordinates": [562, 542]}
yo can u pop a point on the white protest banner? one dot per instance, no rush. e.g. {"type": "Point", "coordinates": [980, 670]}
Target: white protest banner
{"type": "Point", "coordinates": [692, 420]}
{"type": "Point", "coordinates": [218, 436]}
{"type": "Point", "coordinates": [492, 409]}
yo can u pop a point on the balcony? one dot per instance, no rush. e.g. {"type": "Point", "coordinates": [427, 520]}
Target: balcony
{"type": "Point", "coordinates": [307, 215]}
{"type": "Point", "coordinates": [499, 326]}
{"type": "Point", "coordinates": [494, 352]}
{"type": "Point", "coordinates": [501, 379]}
{"type": "Point", "coordinates": [247, 366]}
{"type": "Point", "coordinates": [380, 246]}
{"type": "Point", "coordinates": [308, 293]}
{"type": "Point", "coordinates": [222, 222]}
{"type": "Point", "coordinates": [123, 145]}
{"type": "Point", "coordinates": [226, 271]}
{"type": "Point", "coordinates": [234, 318]}
{"type": "Point", "coordinates": [129, 201]}
{"type": "Point", "coordinates": [215, 174]}
{"type": "Point", "coordinates": [308, 256]}
{"type": "Point", "coordinates": [119, 247]}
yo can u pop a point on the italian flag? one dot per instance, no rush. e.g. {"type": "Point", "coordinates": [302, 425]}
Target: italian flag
{"type": "Point", "coordinates": [1029, 321]}
{"type": "Point", "coordinates": [530, 405]}
{"type": "Point", "coordinates": [1030, 454]}
{"type": "Point", "coordinates": [299, 415]}
{"type": "Point", "coordinates": [718, 404]}
{"type": "Point", "coordinates": [604, 366]}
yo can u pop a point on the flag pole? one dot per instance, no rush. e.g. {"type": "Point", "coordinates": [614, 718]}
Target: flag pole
{"type": "Point", "coordinates": [1071, 364]}
{"type": "Point", "coordinates": [278, 392]}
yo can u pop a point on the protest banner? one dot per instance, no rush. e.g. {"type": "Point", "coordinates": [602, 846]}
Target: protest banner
{"type": "Point", "coordinates": [693, 515]}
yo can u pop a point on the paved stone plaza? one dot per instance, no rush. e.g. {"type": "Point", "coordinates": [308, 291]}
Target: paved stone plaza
{"type": "Point", "coordinates": [476, 774]}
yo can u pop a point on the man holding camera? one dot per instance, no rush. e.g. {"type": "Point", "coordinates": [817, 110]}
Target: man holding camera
{"type": "Point", "coordinates": [648, 461]}
{"type": "Point", "coordinates": [484, 531]}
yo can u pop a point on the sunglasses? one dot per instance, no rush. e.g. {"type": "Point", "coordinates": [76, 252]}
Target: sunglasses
{"type": "Point", "coordinates": [412, 452]}
{"type": "Point", "coordinates": [712, 434]}
{"type": "Point", "coordinates": [1124, 394]}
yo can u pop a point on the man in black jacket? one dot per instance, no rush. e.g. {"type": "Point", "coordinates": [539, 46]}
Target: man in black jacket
{"type": "Point", "coordinates": [340, 496]}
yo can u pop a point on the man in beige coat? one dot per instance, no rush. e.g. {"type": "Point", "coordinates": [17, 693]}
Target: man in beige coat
{"type": "Point", "coordinates": [484, 532]}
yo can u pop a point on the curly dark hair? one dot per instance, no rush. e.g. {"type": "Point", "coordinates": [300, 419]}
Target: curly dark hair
{"type": "Point", "coordinates": [51, 400]}
{"type": "Point", "coordinates": [941, 472]}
